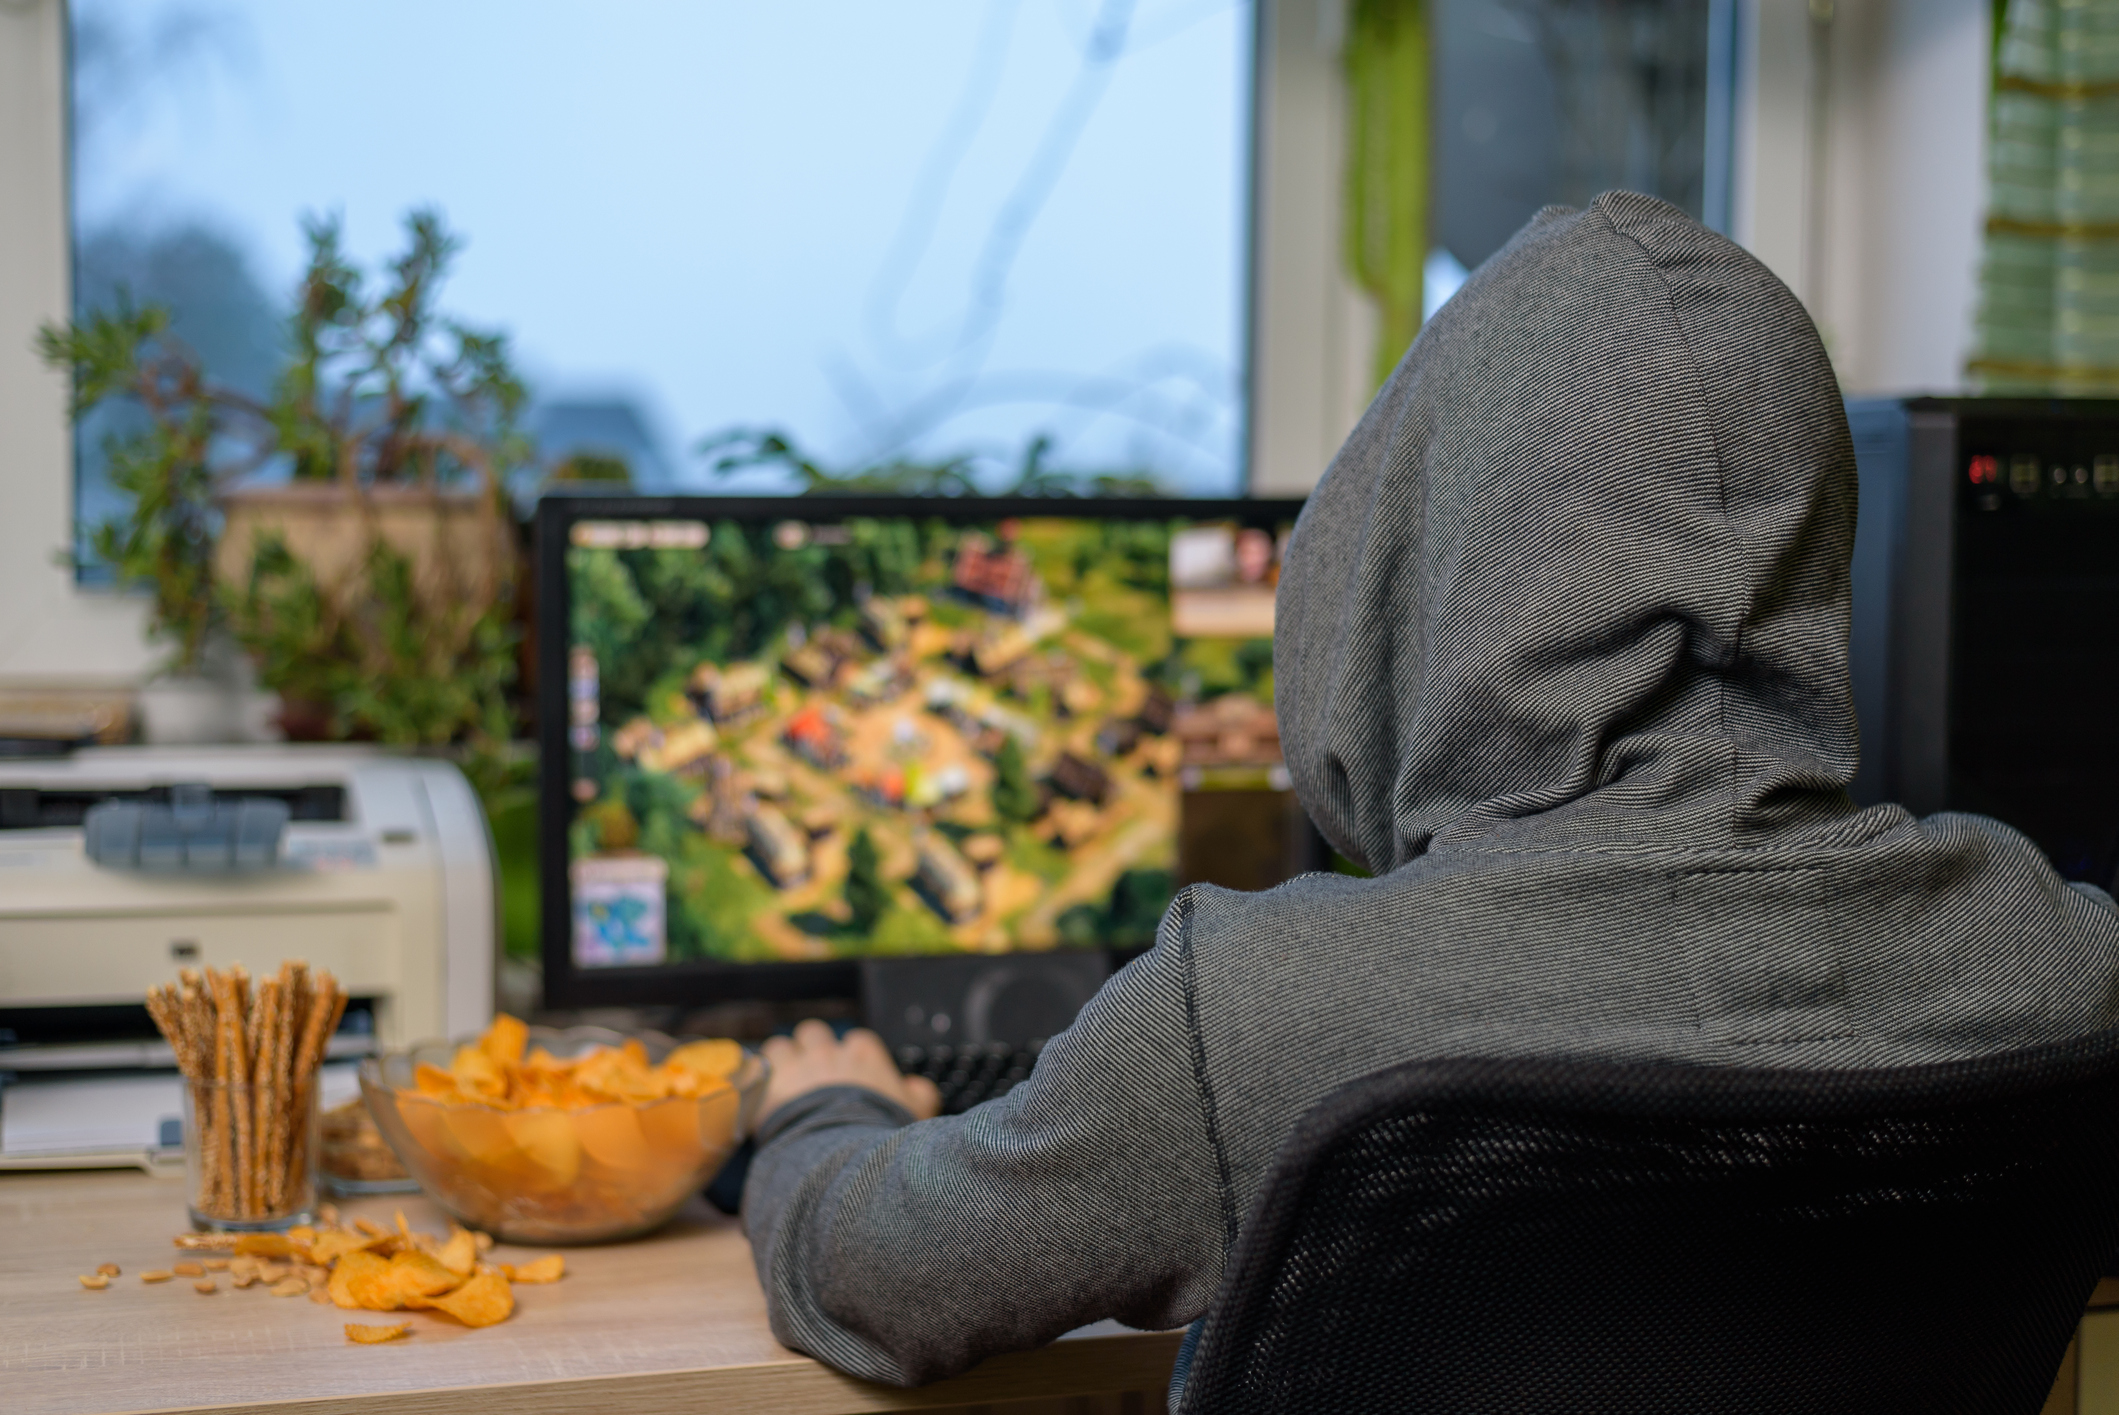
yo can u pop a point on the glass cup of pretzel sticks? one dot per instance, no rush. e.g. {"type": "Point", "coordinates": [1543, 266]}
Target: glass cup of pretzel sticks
{"type": "Point", "coordinates": [249, 1052]}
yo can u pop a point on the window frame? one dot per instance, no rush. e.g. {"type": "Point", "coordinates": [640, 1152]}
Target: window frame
{"type": "Point", "coordinates": [57, 636]}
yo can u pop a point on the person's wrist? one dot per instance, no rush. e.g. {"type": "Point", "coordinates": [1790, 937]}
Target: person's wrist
{"type": "Point", "coordinates": [840, 1102]}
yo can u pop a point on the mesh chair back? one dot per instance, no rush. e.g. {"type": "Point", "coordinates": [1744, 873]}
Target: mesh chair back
{"type": "Point", "coordinates": [1531, 1236]}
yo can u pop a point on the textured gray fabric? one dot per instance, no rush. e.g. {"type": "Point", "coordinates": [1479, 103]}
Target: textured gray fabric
{"type": "Point", "coordinates": [1562, 656]}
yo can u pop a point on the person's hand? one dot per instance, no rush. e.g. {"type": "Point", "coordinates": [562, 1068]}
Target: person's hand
{"type": "Point", "coordinates": [813, 1058]}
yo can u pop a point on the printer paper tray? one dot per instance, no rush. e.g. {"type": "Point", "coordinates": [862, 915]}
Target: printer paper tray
{"type": "Point", "coordinates": [94, 958]}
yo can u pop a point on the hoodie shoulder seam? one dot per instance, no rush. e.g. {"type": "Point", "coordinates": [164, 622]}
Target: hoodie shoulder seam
{"type": "Point", "coordinates": [1225, 1190]}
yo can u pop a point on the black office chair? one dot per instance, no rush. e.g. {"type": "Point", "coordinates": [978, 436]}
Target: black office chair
{"type": "Point", "coordinates": [1574, 1236]}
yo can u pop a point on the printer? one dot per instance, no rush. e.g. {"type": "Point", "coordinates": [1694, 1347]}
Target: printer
{"type": "Point", "coordinates": [375, 866]}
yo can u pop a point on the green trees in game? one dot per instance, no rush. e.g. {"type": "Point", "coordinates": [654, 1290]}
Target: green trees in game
{"type": "Point", "coordinates": [1014, 793]}
{"type": "Point", "coordinates": [866, 895]}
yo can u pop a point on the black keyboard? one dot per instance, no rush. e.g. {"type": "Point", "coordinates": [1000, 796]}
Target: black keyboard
{"type": "Point", "coordinates": [967, 1075]}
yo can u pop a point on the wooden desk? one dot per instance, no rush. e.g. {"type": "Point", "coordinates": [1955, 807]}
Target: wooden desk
{"type": "Point", "coordinates": [672, 1322]}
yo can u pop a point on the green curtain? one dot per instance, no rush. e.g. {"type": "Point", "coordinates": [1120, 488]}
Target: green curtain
{"type": "Point", "coordinates": [2048, 318]}
{"type": "Point", "coordinates": [1385, 191]}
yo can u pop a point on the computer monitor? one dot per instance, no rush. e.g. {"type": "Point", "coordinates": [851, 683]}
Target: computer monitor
{"type": "Point", "coordinates": [780, 736]}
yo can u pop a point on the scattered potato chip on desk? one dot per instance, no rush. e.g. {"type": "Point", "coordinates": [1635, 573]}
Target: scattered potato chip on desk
{"type": "Point", "coordinates": [376, 1336]}
{"type": "Point", "coordinates": [480, 1302]}
{"type": "Point", "coordinates": [550, 1268]}
{"type": "Point", "coordinates": [376, 1269]}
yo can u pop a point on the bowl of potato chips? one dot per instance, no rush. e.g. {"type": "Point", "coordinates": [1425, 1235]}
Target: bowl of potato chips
{"type": "Point", "coordinates": [578, 1135]}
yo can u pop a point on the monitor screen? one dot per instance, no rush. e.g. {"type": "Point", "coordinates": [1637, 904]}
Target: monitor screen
{"type": "Point", "coordinates": [799, 732]}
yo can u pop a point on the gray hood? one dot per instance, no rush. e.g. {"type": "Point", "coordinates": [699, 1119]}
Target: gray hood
{"type": "Point", "coordinates": [1581, 570]}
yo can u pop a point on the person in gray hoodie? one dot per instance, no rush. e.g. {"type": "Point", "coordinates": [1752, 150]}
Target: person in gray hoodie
{"type": "Point", "coordinates": [1561, 657]}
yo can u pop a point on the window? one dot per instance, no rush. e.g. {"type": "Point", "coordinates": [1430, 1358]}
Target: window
{"type": "Point", "coordinates": [1543, 101]}
{"type": "Point", "coordinates": [925, 231]}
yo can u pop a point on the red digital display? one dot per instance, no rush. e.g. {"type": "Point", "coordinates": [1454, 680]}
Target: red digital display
{"type": "Point", "coordinates": [1985, 471]}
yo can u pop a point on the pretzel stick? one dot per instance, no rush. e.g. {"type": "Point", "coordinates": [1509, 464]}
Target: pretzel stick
{"type": "Point", "coordinates": [264, 1092]}
{"type": "Point", "coordinates": [196, 1011]}
{"type": "Point", "coordinates": [270, 1088]}
{"type": "Point", "coordinates": [228, 997]}
{"type": "Point", "coordinates": [298, 1002]}
{"type": "Point", "coordinates": [327, 1004]}
{"type": "Point", "coordinates": [282, 1050]}
{"type": "Point", "coordinates": [172, 1013]}
{"type": "Point", "coordinates": [245, 1132]}
{"type": "Point", "coordinates": [219, 1133]}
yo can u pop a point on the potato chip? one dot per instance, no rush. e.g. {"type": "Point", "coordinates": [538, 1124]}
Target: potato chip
{"type": "Point", "coordinates": [478, 1074]}
{"type": "Point", "coordinates": [478, 1134]}
{"type": "Point", "coordinates": [545, 1138]}
{"type": "Point", "coordinates": [611, 1137]}
{"type": "Point", "coordinates": [717, 1058]}
{"type": "Point", "coordinates": [330, 1247]}
{"type": "Point", "coordinates": [421, 1274]}
{"type": "Point", "coordinates": [671, 1128]}
{"type": "Point", "coordinates": [460, 1254]}
{"type": "Point", "coordinates": [505, 1039]}
{"type": "Point", "coordinates": [264, 1245]}
{"type": "Point", "coordinates": [362, 1279]}
{"type": "Point", "coordinates": [375, 1336]}
{"type": "Point", "coordinates": [430, 1080]}
{"type": "Point", "coordinates": [550, 1268]}
{"type": "Point", "coordinates": [480, 1302]}
{"type": "Point", "coordinates": [371, 1228]}
{"type": "Point", "coordinates": [428, 1121]}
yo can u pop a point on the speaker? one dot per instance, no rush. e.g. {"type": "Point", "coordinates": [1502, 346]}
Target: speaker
{"type": "Point", "coordinates": [975, 999]}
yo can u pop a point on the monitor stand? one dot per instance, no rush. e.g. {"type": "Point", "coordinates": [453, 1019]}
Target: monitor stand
{"type": "Point", "coordinates": [959, 1000]}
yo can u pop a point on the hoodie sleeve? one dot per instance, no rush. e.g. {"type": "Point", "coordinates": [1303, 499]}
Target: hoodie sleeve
{"type": "Point", "coordinates": [906, 1252]}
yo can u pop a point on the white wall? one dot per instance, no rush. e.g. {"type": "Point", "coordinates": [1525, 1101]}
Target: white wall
{"type": "Point", "coordinates": [1861, 176]}
{"type": "Point", "coordinates": [53, 637]}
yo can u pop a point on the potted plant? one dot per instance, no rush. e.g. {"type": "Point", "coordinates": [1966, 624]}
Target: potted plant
{"type": "Point", "coordinates": [349, 532]}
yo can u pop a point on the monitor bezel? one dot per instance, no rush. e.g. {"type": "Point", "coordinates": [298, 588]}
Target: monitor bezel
{"type": "Point", "coordinates": [701, 984]}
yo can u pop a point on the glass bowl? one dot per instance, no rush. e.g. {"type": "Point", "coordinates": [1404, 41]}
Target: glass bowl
{"type": "Point", "coordinates": [543, 1175]}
